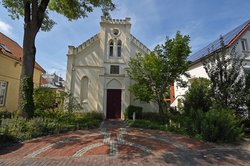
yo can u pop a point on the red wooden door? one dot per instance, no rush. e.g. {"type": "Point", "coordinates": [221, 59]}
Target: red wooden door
{"type": "Point", "coordinates": [114, 103]}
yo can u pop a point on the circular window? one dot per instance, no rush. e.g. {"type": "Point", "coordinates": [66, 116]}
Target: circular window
{"type": "Point", "coordinates": [115, 32]}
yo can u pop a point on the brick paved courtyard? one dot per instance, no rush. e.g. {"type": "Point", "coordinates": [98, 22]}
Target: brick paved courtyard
{"type": "Point", "coordinates": [114, 144]}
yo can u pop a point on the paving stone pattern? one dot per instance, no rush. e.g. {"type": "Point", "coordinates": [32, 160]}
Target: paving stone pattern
{"type": "Point", "coordinates": [127, 146]}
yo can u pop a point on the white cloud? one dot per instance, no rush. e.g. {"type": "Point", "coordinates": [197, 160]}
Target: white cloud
{"type": "Point", "coordinates": [5, 28]}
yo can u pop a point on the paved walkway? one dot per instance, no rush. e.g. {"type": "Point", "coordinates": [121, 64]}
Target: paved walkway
{"type": "Point", "coordinates": [114, 144]}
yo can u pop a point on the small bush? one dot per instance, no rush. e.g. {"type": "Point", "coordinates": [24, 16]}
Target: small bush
{"type": "Point", "coordinates": [128, 114]}
{"type": "Point", "coordinates": [152, 116]}
{"type": "Point", "coordinates": [71, 104]}
{"type": "Point", "coordinates": [45, 98]}
{"type": "Point", "coordinates": [5, 114]}
{"type": "Point", "coordinates": [221, 126]}
{"type": "Point", "coordinates": [192, 120]}
{"type": "Point", "coordinates": [16, 129]}
{"type": "Point", "coordinates": [147, 124]}
{"type": "Point", "coordinates": [37, 127]}
{"type": "Point", "coordinates": [198, 95]}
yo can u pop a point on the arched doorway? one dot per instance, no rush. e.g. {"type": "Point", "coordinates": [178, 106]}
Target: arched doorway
{"type": "Point", "coordinates": [114, 96]}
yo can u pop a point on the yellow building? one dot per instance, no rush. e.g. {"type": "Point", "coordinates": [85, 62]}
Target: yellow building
{"type": "Point", "coordinates": [10, 69]}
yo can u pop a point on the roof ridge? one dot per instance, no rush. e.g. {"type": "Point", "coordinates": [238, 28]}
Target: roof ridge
{"type": "Point", "coordinates": [15, 56]}
{"type": "Point", "coordinates": [140, 44]}
{"type": "Point", "coordinates": [229, 38]}
{"type": "Point", "coordinates": [11, 39]}
{"type": "Point", "coordinates": [87, 43]}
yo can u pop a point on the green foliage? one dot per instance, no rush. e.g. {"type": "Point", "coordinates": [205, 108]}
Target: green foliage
{"type": "Point", "coordinates": [46, 122]}
{"type": "Point", "coordinates": [247, 93]}
{"type": "Point", "coordinates": [221, 126]}
{"type": "Point", "coordinates": [192, 120]}
{"type": "Point", "coordinates": [128, 114]}
{"type": "Point", "coordinates": [71, 103]}
{"type": "Point", "coordinates": [36, 18]}
{"type": "Point", "coordinates": [45, 98]}
{"type": "Point", "coordinates": [80, 120]}
{"type": "Point", "coordinates": [14, 127]}
{"type": "Point", "coordinates": [72, 9]}
{"type": "Point", "coordinates": [198, 96]}
{"type": "Point", "coordinates": [147, 124]}
{"type": "Point", "coordinates": [4, 113]}
{"type": "Point", "coordinates": [27, 93]}
{"type": "Point", "coordinates": [151, 116]}
{"type": "Point", "coordinates": [215, 125]}
{"type": "Point", "coordinates": [154, 72]}
{"type": "Point", "coordinates": [225, 70]}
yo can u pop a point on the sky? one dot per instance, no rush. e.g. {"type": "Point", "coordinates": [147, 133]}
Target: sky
{"type": "Point", "coordinates": [152, 20]}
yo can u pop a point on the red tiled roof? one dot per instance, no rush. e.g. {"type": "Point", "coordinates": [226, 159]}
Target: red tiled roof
{"type": "Point", "coordinates": [43, 81]}
{"type": "Point", "coordinates": [16, 50]}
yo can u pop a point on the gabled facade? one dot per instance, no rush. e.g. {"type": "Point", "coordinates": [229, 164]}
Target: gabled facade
{"type": "Point", "coordinates": [10, 69]}
{"type": "Point", "coordinates": [96, 70]}
{"type": "Point", "coordinates": [239, 37]}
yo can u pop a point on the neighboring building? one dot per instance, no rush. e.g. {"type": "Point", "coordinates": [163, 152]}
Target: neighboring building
{"type": "Point", "coordinates": [52, 81]}
{"type": "Point", "coordinates": [96, 70]}
{"type": "Point", "coordinates": [239, 37]}
{"type": "Point", "coordinates": [10, 69]}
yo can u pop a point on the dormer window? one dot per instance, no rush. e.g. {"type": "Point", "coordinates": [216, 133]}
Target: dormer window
{"type": "Point", "coordinates": [244, 44]}
{"type": "Point", "coordinates": [119, 48]}
{"type": "Point", "coordinates": [111, 47]}
{"type": "Point", "coordinates": [5, 48]}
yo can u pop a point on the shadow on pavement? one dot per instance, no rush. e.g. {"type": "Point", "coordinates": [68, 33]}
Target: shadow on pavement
{"type": "Point", "coordinates": [208, 157]}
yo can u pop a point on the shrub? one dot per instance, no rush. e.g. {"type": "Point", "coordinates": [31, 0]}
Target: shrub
{"type": "Point", "coordinates": [4, 113]}
{"type": "Point", "coordinates": [71, 103]}
{"type": "Point", "coordinates": [37, 127]}
{"type": "Point", "coordinates": [45, 98]}
{"type": "Point", "coordinates": [221, 126]}
{"type": "Point", "coordinates": [192, 120]}
{"type": "Point", "coordinates": [46, 122]}
{"type": "Point", "coordinates": [14, 127]}
{"type": "Point", "coordinates": [147, 124]}
{"type": "Point", "coordinates": [198, 95]}
{"type": "Point", "coordinates": [128, 114]}
{"type": "Point", "coordinates": [152, 116]}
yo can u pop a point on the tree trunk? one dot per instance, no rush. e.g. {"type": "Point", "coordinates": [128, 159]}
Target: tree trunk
{"type": "Point", "coordinates": [26, 104]}
{"type": "Point", "coordinates": [160, 107]}
{"type": "Point", "coordinates": [160, 98]}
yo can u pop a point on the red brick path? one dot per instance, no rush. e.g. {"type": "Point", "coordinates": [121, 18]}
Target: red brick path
{"type": "Point", "coordinates": [115, 146]}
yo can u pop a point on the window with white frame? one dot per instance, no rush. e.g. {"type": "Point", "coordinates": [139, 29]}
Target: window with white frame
{"type": "Point", "coordinates": [3, 91]}
{"type": "Point", "coordinates": [244, 44]}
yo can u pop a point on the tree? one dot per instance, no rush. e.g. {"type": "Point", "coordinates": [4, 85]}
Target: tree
{"type": "Point", "coordinates": [225, 70]}
{"type": "Point", "coordinates": [247, 96]}
{"type": "Point", "coordinates": [198, 96]}
{"type": "Point", "coordinates": [154, 72]}
{"type": "Point", "coordinates": [36, 17]}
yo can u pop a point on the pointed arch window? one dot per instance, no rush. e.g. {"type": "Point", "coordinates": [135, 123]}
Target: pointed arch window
{"type": "Point", "coordinates": [84, 88]}
{"type": "Point", "coordinates": [111, 47]}
{"type": "Point", "coordinates": [119, 48]}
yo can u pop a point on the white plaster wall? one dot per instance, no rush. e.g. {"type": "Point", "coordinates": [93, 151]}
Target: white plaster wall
{"type": "Point", "coordinates": [246, 36]}
{"type": "Point", "coordinates": [92, 60]}
{"type": "Point", "coordinates": [91, 104]}
{"type": "Point", "coordinates": [197, 70]}
{"type": "Point", "coordinates": [69, 72]}
{"type": "Point", "coordinates": [90, 56]}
